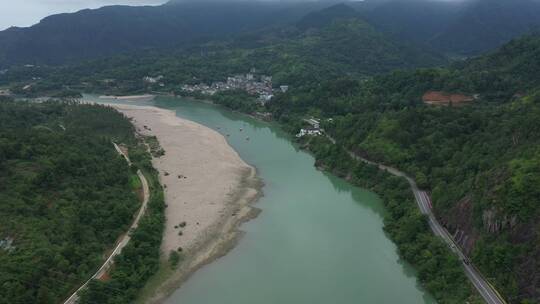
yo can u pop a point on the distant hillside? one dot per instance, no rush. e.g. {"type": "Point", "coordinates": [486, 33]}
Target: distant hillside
{"type": "Point", "coordinates": [119, 29]}
{"type": "Point", "coordinates": [331, 42]}
{"type": "Point", "coordinates": [484, 25]}
{"type": "Point", "coordinates": [321, 18]}
{"type": "Point", "coordinates": [410, 20]}
{"type": "Point", "coordinates": [324, 44]}
{"type": "Point", "coordinates": [516, 65]}
{"type": "Point", "coordinates": [454, 27]}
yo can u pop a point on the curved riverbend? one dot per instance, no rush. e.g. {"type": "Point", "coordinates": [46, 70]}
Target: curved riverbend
{"type": "Point", "coordinates": [317, 240]}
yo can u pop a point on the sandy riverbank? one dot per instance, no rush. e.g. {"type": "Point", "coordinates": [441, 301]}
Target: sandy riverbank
{"type": "Point", "coordinates": [129, 97]}
{"type": "Point", "coordinates": [208, 187]}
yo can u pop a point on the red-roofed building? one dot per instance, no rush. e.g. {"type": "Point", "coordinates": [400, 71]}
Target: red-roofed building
{"type": "Point", "coordinates": [444, 99]}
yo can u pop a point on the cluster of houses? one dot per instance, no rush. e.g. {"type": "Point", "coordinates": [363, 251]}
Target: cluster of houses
{"type": "Point", "coordinates": [7, 244]}
{"type": "Point", "coordinates": [314, 128]}
{"type": "Point", "coordinates": [154, 80]}
{"type": "Point", "coordinates": [257, 85]}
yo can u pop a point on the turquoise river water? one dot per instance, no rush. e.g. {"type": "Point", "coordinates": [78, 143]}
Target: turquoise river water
{"type": "Point", "coordinates": [317, 240]}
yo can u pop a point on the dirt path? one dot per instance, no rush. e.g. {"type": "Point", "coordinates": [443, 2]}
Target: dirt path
{"type": "Point", "coordinates": [124, 240]}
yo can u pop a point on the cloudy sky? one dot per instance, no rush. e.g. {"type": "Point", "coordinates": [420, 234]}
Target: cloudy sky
{"type": "Point", "coordinates": [28, 12]}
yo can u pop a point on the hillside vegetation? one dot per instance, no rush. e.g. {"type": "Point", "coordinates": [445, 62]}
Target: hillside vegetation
{"type": "Point", "coordinates": [321, 46]}
{"type": "Point", "coordinates": [66, 196]}
{"type": "Point", "coordinates": [455, 28]}
{"type": "Point", "coordinates": [479, 161]}
{"type": "Point", "coordinates": [114, 30]}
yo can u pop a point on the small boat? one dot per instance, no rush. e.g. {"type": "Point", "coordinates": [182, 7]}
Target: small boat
{"type": "Point", "coordinates": [241, 129]}
{"type": "Point", "coordinates": [228, 135]}
{"type": "Point", "coordinates": [247, 138]}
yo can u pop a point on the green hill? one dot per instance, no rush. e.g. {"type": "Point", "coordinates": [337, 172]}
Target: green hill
{"type": "Point", "coordinates": [66, 196]}
{"type": "Point", "coordinates": [326, 44]}
{"type": "Point", "coordinates": [333, 42]}
{"type": "Point", "coordinates": [480, 161]}
{"type": "Point", "coordinates": [114, 30]}
{"type": "Point", "coordinates": [485, 25]}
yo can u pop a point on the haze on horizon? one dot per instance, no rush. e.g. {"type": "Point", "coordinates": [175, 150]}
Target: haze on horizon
{"type": "Point", "coordinates": [29, 12]}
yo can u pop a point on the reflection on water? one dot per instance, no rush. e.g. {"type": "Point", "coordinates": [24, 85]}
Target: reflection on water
{"type": "Point", "coordinates": [317, 240]}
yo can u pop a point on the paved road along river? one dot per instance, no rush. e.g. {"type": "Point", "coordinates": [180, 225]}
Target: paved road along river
{"type": "Point", "coordinates": [484, 288]}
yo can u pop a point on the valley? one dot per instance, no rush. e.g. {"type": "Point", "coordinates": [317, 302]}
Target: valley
{"type": "Point", "coordinates": [382, 151]}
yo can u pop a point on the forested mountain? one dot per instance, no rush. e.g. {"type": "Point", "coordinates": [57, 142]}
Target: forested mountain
{"type": "Point", "coordinates": [480, 161]}
{"type": "Point", "coordinates": [462, 28]}
{"type": "Point", "coordinates": [484, 25]}
{"type": "Point", "coordinates": [324, 44]}
{"type": "Point", "coordinates": [410, 20]}
{"type": "Point", "coordinates": [331, 42]}
{"type": "Point", "coordinates": [65, 196]}
{"type": "Point", "coordinates": [120, 29]}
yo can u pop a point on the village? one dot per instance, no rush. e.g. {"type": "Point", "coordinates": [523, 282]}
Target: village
{"type": "Point", "coordinates": [253, 84]}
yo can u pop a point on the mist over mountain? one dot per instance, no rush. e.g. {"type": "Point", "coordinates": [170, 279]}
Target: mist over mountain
{"type": "Point", "coordinates": [465, 28]}
{"type": "Point", "coordinates": [115, 29]}
{"type": "Point", "coordinates": [461, 28]}
{"type": "Point", "coordinates": [411, 20]}
{"type": "Point", "coordinates": [484, 25]}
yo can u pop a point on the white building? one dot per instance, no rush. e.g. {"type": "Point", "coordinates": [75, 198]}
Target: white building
{"type": "Point", "coordinates": [149, 79]}
{"type": "Point", "coordinates": [264, 98]}
{"type": "Point", "coordinates": [310, 132]}
{"type": "Point", "coordinates": [7, 244]}
{"type": "Point", "coordinates": [315, 124]}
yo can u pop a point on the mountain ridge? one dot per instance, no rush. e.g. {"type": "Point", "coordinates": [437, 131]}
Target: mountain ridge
{"type": "Point", "coordinates": [112, 30]}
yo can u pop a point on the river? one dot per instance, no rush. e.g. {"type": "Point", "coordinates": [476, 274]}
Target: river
{"type": "Point", "coordinates": [317, 240]}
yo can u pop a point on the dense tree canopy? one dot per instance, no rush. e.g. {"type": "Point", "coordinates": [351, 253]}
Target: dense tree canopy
{"type": "Point", "coordinates": [65, 195]}
{"type": "Point", "coordinates": [482, 157]}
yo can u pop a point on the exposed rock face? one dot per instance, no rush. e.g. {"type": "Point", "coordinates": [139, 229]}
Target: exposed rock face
{"type": "Point", "coordinates": [443, 98]}
{"type": "Point", "coordinates": [495, 223]}
{"type": "Point", "coordinates": [459, 221]}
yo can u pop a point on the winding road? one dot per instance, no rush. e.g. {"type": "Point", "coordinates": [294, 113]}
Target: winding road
{"type": "Point", "coordinates": [486, 290]}
{"type": "Point", "coordinates": [124, 240]}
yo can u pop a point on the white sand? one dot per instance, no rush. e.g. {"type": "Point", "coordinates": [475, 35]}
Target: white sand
{"type": "Point", "coordinates": [127, 97]}
{"type": "Point", "coordinates": [214, 197]}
